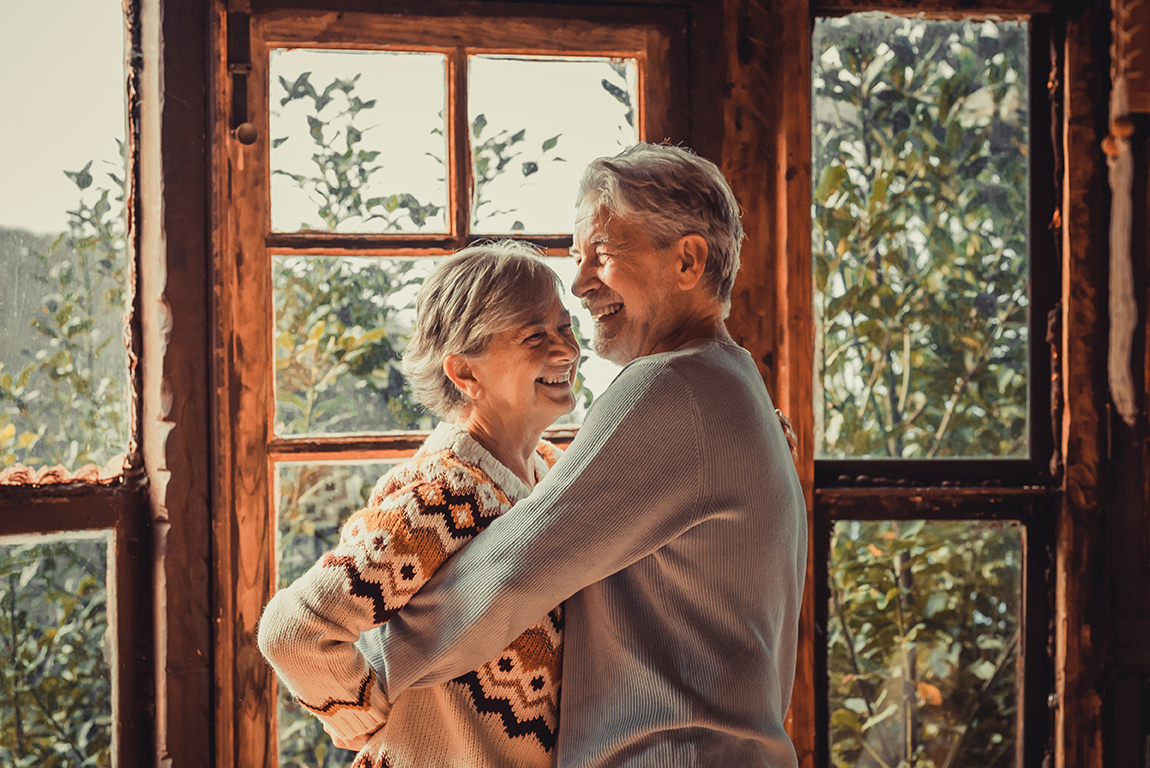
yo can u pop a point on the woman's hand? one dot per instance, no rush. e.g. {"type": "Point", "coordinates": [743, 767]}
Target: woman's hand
{"type": "Point", "coordinates": [355, 744]}
{"type": "Point", "coordinates": [789, 431]}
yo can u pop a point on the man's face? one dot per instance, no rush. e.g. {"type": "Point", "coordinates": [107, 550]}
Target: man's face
{"type": "Point", "coordinates": [628, 285]}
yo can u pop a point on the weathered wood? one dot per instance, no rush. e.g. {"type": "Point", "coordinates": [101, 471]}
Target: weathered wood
{"type": "Point", "coordinates": [173, 306]}
{"type": "Point", "coordinates": [766, 156]}
{"type": "Point", "coordinates": [1080, 623]}
{"type": "Point", "coordinates": [245, 710]}
{"type": "Point", "coordinates": [938, 9]}
{"type": "Point", "coordinates": [935, 503]}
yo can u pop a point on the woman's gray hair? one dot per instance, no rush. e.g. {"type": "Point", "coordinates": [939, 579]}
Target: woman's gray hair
{"type": "Point", "coordinates": [671, 192]}
{"type": "Point", "coordinates": [469, 297]}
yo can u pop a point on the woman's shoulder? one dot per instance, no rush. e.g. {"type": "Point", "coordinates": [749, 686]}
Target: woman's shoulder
{"type": "Point", "coordinates": [440, 469]}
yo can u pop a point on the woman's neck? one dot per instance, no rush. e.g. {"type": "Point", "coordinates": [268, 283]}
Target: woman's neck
{"type": "Point", "coordinates": [512, 444]}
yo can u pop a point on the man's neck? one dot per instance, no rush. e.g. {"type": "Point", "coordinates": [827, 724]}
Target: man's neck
{"type": "Point", "coordinates": [693, 330]}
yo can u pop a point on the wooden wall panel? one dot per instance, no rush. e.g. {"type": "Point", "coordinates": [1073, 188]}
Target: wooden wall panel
{"type": "Point", "coordinates": [1081, 622]}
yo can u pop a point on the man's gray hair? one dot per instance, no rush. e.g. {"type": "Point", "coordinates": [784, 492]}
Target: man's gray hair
{"type": "Point", "coordinates": [469, 297]}
{"type": "Point", "coordinates": [671, 192]}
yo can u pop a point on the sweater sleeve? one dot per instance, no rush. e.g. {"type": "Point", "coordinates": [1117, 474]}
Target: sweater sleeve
{"type": "Point", "coordinates": [385, 554]}
{"type": "Point", "coordinates": [629, 483]}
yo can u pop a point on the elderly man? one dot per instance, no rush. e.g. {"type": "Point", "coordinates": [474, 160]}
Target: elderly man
{"type": "Point", "coordinates": [673, 527]}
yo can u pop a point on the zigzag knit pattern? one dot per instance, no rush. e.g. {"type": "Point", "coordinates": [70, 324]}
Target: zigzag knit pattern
{"type": "Point", "coordinates": [505, 713]}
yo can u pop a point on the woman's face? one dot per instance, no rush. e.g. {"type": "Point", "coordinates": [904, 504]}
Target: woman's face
{"type": "Point", "coordinates": [526, 373]}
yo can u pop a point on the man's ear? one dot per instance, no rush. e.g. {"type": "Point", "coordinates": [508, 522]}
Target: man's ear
{"type": "Point", "coordinates": [462, 375]}
{"type": "Point", "coordinates": [691, 255]}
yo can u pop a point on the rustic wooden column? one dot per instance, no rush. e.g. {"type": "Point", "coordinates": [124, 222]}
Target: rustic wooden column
{"type": "Point", "coordinates": [1081, 621]}
{"type": "Point", "coordinates": [766, 155]}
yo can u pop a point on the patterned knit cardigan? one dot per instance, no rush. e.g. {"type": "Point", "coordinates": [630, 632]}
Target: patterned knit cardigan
{"type": "Point", "coordinates": [505, 713]}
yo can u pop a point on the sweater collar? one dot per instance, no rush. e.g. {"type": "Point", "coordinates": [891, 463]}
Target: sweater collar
{"type": "Point", "coordinates": [455, 438]}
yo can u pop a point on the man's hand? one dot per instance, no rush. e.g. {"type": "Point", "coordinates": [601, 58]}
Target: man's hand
{"type": "Point", "coordinates": [789, 431]}
{"type": "Point", "coordinates": [354, 744]}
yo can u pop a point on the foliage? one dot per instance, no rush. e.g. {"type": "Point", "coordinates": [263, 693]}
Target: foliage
{"type": "Point", "coordinates": [342, 171]}
{"type": "Point", "coordinates": [313, 501]}
{"type": "Point", "coordinates": [55, 690]}
{"type": "Point", "coordinates": [68, 403]}
{"type": "Point", "coordinates": [341, 325]}
{"type": "Point", "coordinates": [923, 634]}
{"type": "Point", "coordinates": [920, 237]}
{"type": "Point", "coordinates": [492, 155]}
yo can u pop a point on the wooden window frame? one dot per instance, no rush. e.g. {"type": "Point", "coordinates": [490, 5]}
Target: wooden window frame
{"type": "Point", "coordinates": [248, 448]}
{"type": "Point", "coordinates": [157, 509]}
{"type": "Point", "coordinates": [1058, 503]}
{"type": "Point", "coordinates": [1004, 489]}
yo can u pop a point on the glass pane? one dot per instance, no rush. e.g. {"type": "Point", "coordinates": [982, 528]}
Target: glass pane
{"type": "Point", "coordinates": [595, 373]}
{"type": "Point", "coordinates": [923, 631]}
{"type": "Point", "coordinates": [920, 237]}
{"type": "Point", "coordinates": [56, 690]}
{"type": "Point", "coordinates": [358, 141]}
{"type": "Point", "coordinates": [63, 361]}
{"type": "Point", "coordinates": [312, 502]}
{"type": "Point", "coordinates": [341, 325]}
{"type": "Point", "coordinates": [535, 124]}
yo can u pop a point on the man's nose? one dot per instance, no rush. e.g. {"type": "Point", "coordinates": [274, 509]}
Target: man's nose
{"type": "Point", "coordinates": [585, 277]}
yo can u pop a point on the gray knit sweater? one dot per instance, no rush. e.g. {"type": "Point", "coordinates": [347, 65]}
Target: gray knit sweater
{"type": "Point", "coordinates": [674, 527]}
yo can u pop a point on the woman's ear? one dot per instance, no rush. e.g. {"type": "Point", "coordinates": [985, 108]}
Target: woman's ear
{"type": "Point", "coordinates": [691, 256]}
{"type": "Point", "coordinates": [462, 375]}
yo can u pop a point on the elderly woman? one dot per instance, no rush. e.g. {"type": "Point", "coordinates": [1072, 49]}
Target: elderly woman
{"type": "Point", "coordinates": [494, 356]}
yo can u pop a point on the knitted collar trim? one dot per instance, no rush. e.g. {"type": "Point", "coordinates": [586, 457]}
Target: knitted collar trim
{"type": "Point", "coordinates": [452, 437]}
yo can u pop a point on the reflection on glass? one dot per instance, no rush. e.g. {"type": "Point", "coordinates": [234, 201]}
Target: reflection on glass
{"type": "Point", "coordinates": [63, 361]}
{"type": "Point", "coordinates": [535, 124]}
{"type": "Point", "coordinates": [920, 237]}
{"type": "Point", "coordinates": [341, 325]}
{"type": "Point", "coordinates": [595, 373]}
{"type": "Point", "coordinates": [923, 632]}
{"type": "Point", "coordinates": [56, 685]}
{"type": "Point", "coordinates": [312, 501]}
{"type": "Point", "coordinates": [358, 141]}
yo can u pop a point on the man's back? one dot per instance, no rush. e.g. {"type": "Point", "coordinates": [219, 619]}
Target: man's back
{"type": "Point", "coordinates": [687, 656]}
{"type": "Point", "coordinates": [675, 528]}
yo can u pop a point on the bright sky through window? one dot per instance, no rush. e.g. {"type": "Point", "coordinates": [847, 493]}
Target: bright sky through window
{"type": "Point", "coordinates": [60, 110]}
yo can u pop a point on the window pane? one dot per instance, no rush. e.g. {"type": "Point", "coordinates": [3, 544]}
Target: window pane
{"type": "Point", "coordinates": [535, 124]}
{"type": "Point", "coordinates": [312, 502]}
{"type": "Point", "coordinates": [920, 237]}
{"type": "Point", "coordinates": [341, 325]}
{"type": "Point", "coordinates": [358, 141]}
{"type": "Point", "coordinates": [63, 361]}
{"type": "Point", "coordinates": [56, 690]}
{"type": "Point", "coordinates": [922, 637]}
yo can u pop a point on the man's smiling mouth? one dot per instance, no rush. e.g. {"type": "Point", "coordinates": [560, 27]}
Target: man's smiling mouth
{"type": "Point", "coordinates": [606, 311]}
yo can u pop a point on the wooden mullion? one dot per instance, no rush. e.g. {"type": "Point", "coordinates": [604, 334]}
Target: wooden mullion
{"type": "Point", "coordinates": [41, 511]}
{"type": "Point", "coordinates": [131, 595]}
{"type": "Point", "coordinates": [931, 503]}
{"type": "Point", "coordinates": [361, 447]}
{"type": "Point", "coordinates": [461, 184]}
{"type": "Point", "coordinates": [937, 9]}
{"type": "Point", "coordinates": [507, 33]}
{"type": "Point", "coordinates": [246, 734]}
{"type": "Point", "coordinates": [871, 472]}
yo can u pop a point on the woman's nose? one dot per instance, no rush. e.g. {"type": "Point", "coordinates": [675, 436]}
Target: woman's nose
{"type": "Point", "coordinates": [564, 348]}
